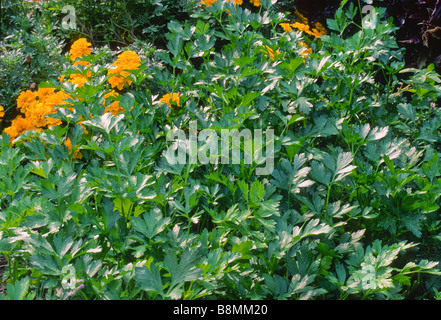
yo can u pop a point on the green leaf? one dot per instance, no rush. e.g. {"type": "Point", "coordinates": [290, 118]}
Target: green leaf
{"type": "Point", "coordinates": [205, 42]}
{"type": "Point", "coordinates": [341, 272]}
{"type": "Point", "coordinates": [373, 134]}
{"type": "Point", "coordinates": [37, 148]}
{"type": "Point", "coordinates": [277, 285]}
{"type": "Point", "coordinates": [292, 65]}
{"type": "Point", "coordinates": [320, 173]}
{"type": "Point", "coordinates": [65, 185]}
{"type": "Point", "coordinates": [127, 101]}
{"type": "Point", "coordinates": [108, 214]}
{"type": "Point", "coordinates": [106, 122]}
{"type": "Point", "coordinates": [62, 244]}
{"type": "Point", "coordinates": [257, 192]}
{"type": "Point", "coordinates": [322, 63]}
{"type": "Point", "coordinates": [343, 167]}
{"type": "Point", "coordinates": [296, 177]}
{"type": "Point", "coordinates": [42, 168]}
{"type": "Point", "coordinates": [150, 224]}
{"type": "Point", "coordinates": [18, 290]}
{"type": "Point", "coordinates": [175, 45]}
{"type": "Point", "coordinates": [183, 271]}
{"type": "Point", "coordinates": [314, 227]}
{"type": "Point", "coordinates": [431, 168]}
{"type": "Point", "coordinates": [185, 33]}
{"type": "Point", "coordinates": [244, 248]}
{"type": "Point", "coordinates": [243, 186]}
{"type": "Point", "coordinates": [304, 105]}
{"type": "Point", "coordinates": [149, 279]}
{"type": "Point", "coordinates": [407, 110]}
{"type": "Point", "coordinates": [46, 264]}
{"type": "Point", "coordinates": [332, 24]}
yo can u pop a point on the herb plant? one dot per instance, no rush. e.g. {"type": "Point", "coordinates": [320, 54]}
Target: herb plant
{"type": "Point", "coordinates": [93, 207]}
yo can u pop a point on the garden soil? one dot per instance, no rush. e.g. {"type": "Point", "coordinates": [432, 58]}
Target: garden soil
{"type": "Point", "coordinates": [419, 24]}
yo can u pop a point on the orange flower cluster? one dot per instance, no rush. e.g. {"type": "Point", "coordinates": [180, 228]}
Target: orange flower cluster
{"type": "Point", "coordinates": [79, 48]}
{"type": "Point", "coordinates": [170, 98]}
{"type": "Point", "coordinates": [79, 79]}
{"type": "Point", "coordinates": [35, 106]}
{"type": "Point", "coordinates": [209, 3]}
{"type": "Point", "coordinates": [128, 60]}
{"type": "Point", "coordinates": [305, 52]}
{"type": "Point", "coordinates": [255, 2]}
{"type": "Point", "coordinates": [302, 24]}
{"type": "Point", "coordinates": [286, 26]}
{"type": "Point", "coordinates": [77, 154]}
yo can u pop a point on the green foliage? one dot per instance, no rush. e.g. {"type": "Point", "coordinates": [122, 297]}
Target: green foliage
{"type": "Point", "coordinates": [350, 210]}
{"type": "Point", "coordinates": [117, 23]}
{"type": "Point", "coordinates": [29, 55]}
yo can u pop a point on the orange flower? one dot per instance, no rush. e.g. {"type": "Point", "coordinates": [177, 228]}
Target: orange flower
{"type": "Point", "coordinates": [35, 106]}
{"type": "Point", "coordinates": [302, 24]}
{"type": "Point", "coordinates": [286, 26]}
{"type": "Point", "coordinates": [57, 99]}
{"type": "Point", "coordinates": [25, 99]}
{"type": "Point", "coordinates": [78, 79]}
{"type": "Point", "coordinates": [208, 3]}
{"type": "Point", "coordinates": [81, 63]}
{"type": "Point", "coordinates": [301, 27]}
{"type": "Point", "coordinates": [18, 126]}
{"type": "Point", "coordinates": [239, 2]}
{"type": "Point", "coordinates": [171, 97]}
{"type": "Point", "coordinates": [114, 107]}
{"type": "Point", "coordinates": [127, 60]}
{"type": "Point", "coordinates": [271, 52]}
{"type": "Point", "coordinates": [44, 93]}
{"type": "Point", "coordinates": [117, 81]}
{"type": "Point", "coordinates": [255, 2]}
{"type": "Point", "coordinates": [38, 116]}
{"type": "Point", "coordinates": [305, 52]}
{"type": "Point", "coordinates": [77, 154]}
{"type": "Point", "coordinates": [2, 112]}
{"type": "Point", "coordinates": [111, 93]}
{"type": "Point", "coordinates": [316, 32]}
{"type": "Point", "coordinates": [79, 48]}
{"type": "Point", "coordinates": [319, 30]}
